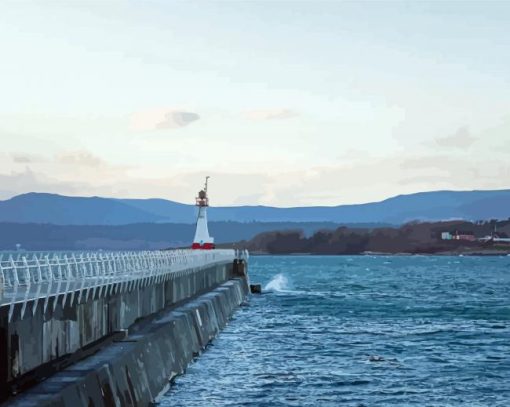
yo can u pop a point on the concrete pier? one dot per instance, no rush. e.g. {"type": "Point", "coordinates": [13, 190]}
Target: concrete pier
{"type": "Point", "coordinates": [113, 339]}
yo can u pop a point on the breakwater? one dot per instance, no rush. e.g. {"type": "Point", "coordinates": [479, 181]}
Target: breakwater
{"type": "Point", "coordinates": [115, 333]}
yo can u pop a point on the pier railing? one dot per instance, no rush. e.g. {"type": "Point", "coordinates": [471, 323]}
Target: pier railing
{"type": "Point", "coordinates": [39, 268]}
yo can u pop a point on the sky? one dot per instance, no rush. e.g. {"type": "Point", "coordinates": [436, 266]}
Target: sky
{"type": "Point", "coordinates": [282, 103]}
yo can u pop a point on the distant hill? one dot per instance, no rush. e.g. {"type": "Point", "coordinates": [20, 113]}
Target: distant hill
{"type": "Point", "coordinates": [425, 206]}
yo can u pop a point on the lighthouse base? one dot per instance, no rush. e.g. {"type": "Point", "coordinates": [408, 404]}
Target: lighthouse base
{"type": "Point", "coordinates": [204, 246]}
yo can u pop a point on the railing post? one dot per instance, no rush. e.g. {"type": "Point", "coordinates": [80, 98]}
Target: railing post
{"type": "Point", "coordinates": [48, 269]}
{"type": "Point", "coordinates": [14, 271]}
{"type": "Point", "coordinates": [39, 270]}
{"type": "Point", "coordinates": [27, 271]}
{"type": "Point", "coordinates": [3, 284]}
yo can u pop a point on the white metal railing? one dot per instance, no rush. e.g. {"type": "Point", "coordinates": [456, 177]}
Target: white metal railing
{"type": "Point", "coordinates": [30, 269]}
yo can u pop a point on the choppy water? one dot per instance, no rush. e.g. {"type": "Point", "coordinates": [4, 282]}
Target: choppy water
{"type": "Point", "coordinates": [362, 331]}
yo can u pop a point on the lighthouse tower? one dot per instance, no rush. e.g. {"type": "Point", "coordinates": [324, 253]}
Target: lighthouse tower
{"type": "Point", "coordinates": [202, 239]}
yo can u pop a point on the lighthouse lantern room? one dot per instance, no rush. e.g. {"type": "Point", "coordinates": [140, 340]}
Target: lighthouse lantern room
{"type": "Point", "coordinates": [202, 239]}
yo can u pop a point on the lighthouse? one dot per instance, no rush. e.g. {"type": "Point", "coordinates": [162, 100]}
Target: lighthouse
{"type": "Point", "coordinates": [202, 239]}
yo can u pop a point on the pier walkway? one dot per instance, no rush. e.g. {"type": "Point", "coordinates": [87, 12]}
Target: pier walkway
{"type": "Point", "coordinates": [38, 276]}
{"type": "Point", "coordinates": [53, 307]}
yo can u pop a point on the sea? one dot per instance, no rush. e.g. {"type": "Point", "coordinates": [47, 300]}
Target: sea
{"type": "Point", "coordinates": [361, 331]}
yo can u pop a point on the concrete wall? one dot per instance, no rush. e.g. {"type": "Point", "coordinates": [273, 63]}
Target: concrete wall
{"type": "Point", "coordinates": [133, 372]}
{"type": "Point", "coordinates": [60, 325]}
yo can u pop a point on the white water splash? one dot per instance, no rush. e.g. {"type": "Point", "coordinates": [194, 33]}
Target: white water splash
{"type": "Point", "coordinates": [278, 283]}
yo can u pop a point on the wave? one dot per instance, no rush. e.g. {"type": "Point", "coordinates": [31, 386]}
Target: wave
{"type": "Point", "coordinates": [277, 284]}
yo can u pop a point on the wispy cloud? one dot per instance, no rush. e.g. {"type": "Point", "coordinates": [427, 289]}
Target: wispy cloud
{"type": "Point", "coordinates": [461, 139]}
{"type": "Point", "coordinates": [118, 183]}
{"type": "Point", "coordinates": [28, 181]}
{"type": "Point", "coordinates": [22, 158]}
{"type": "Point", "coordinates": [80, 158]}
{"type": "Point", "coordinates": [163, 118]}
{"type": "Point", "coordinates": [270, 114]}
{"type": "Point", "coordinates": [365, 181]}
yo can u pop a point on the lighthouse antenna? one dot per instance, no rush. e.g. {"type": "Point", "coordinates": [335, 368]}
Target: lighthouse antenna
{"type": "Point", "coordinates": [206, 181]}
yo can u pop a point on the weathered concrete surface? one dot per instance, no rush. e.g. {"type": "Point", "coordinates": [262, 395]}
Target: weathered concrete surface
{"type": "Point", "coordinates": [46, 331]}
{"type": "Point", "coordinates": [134, 371]}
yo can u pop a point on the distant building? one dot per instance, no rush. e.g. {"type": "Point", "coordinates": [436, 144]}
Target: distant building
{"type": "Point", "coordinates": [495, 238]}
{"type": "Point", "coordinates": [502, 239]}
{"type": "Point", "coordinates": [469, 236]}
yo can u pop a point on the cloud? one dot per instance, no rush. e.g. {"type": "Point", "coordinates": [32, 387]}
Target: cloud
{"type": "Point", "coordinates": [158, 119]}
{"type": "Point", "coordinates": [77, 172]}
{"type": "Point", "coordinates": [28, 181]}
{"type": "Point", "coordinates": [461, 139]}
{"type": "Point", "coordinates": [364, 181]}
{"type": "Point", "coordinates": [379, 178]}
{"type": "Point", "coordinates": [115, 182]}
{"type": "Point", "coordinates": [22, 158]}
{"type": "Point", "coordinates": [81, 158]}
{"type": "Point", "coordinates": [270, 114]}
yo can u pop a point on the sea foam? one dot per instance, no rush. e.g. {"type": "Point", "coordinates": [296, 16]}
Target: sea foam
{"type": "Point", "coordinates": [278, 283]}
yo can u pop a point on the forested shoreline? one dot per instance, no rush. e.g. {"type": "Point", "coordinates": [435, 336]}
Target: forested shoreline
{"type": "Point", "coordinates": [412, 238]}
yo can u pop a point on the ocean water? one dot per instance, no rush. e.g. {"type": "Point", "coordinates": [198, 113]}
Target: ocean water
{"type": "Point", "coordinates": [361, 331]}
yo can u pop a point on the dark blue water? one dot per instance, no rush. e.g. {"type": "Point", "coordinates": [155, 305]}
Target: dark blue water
{"type": "Point", "coordinates": [362, 331]}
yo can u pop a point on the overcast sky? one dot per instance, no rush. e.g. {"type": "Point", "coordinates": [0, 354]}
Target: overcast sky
{"type": "Point", "coordinates": [282, 103]}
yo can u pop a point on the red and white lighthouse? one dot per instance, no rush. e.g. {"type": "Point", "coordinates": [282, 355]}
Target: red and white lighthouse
{"type": "Point", "coordinates": [202, 239]}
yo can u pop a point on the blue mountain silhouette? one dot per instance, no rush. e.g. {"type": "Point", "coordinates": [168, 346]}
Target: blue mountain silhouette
{"type": "Point", "coordinates": [436, 205]}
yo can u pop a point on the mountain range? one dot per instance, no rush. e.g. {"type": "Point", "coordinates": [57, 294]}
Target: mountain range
{"type": "Point", "coordinates": [429, 206]}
